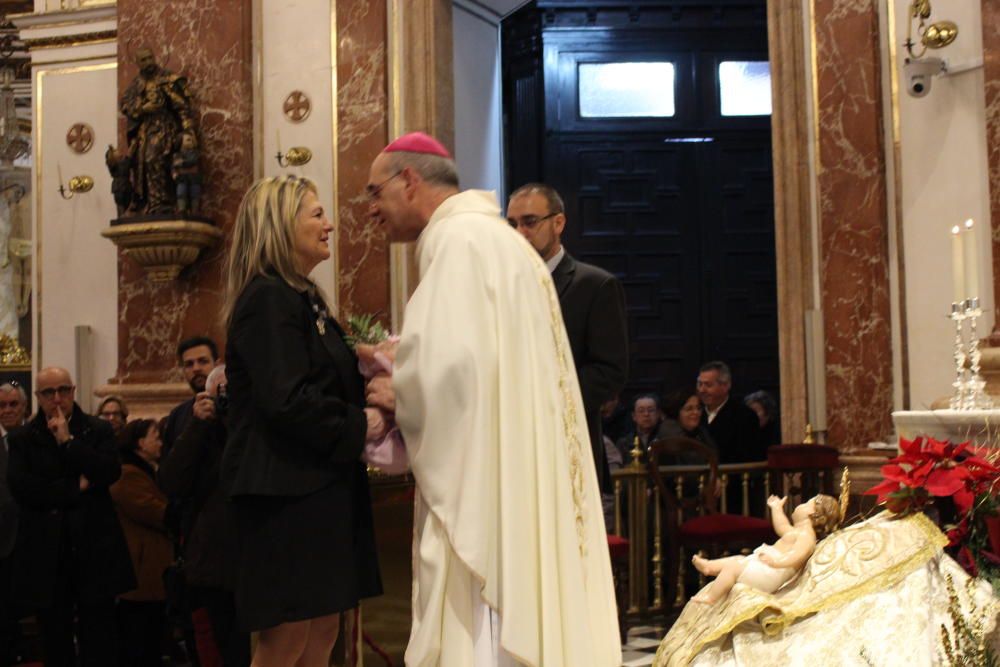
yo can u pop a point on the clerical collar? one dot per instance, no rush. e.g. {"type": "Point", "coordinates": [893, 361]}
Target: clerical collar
{"type": "Point", "coordinates": [553, 261]}
{"type": "Point", "coordinates": [712, 414]}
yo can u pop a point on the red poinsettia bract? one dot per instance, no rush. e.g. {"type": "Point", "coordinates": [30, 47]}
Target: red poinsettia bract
{"type": "Point", "coordinates": [931, 468]}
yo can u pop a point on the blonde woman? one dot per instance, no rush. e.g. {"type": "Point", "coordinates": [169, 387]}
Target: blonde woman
{"type": "Point", "coordinates": [297, 427]}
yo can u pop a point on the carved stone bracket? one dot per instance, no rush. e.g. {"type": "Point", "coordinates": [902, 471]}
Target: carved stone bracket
{"type": "Point", "coordinates": [164, 248]}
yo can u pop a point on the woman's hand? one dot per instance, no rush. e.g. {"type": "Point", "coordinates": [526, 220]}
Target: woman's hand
{"type": "Point", "coordinates": [776, 503]}
{"type": "Point", "coordinates": [377, 427]}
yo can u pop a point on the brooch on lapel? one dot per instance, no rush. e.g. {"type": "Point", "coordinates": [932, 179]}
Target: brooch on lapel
{"type": "Point", "coordinates": [321, 315]}
{"type": "Point", "coordinates": [320, 319]}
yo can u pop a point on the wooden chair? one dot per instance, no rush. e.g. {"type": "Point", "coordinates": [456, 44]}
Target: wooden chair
{"type": "Point", "coordinates": [802, 471]}
{"type": "Point", "coordinates": [691, 524]}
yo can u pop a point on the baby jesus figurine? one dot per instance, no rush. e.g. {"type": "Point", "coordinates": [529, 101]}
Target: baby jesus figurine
{"type": "Point", "coordinates": [771, 566]}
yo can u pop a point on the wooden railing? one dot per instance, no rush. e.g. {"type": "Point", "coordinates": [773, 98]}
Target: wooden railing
{"type": "Point", "coordinates": [637, 500]}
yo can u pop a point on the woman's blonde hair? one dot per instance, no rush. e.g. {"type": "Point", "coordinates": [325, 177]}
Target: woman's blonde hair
{"type": "Point", "coordinates": [263, 237]}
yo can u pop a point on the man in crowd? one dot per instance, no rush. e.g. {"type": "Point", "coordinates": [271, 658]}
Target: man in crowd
{"type": "Point", "coordinates": [592, 304]}
{"type": "Point", "coordinates": [190, 474]}
{"type": "Point", "coordinates": [70, 559]}
{"type": "Point", "coordinates": [13, 404]}
{"type": "Point", "coordinates": [113, 410]}
{"type": "Point", "coordinates": [197, 357]}
{"type": "Point", "coordinates": [734, 427]}
{"type": "Point", "coordinates": [486, 397]}
{"type": "Point", "coordinates": [646, 417]}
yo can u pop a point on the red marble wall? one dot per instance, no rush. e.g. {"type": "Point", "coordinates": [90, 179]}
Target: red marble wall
{"type": "Point", "coordinates": [991, 73]}
{"type": "Point", "coordinates": [854, 255]}
{"type": "Point", "coordinates": [210, 43]}
{"type": "Point", "coordinates": [362, 131]}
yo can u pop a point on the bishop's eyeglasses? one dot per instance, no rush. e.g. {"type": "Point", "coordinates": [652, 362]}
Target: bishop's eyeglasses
{"type": "Point", "coordinates": [373, 191]}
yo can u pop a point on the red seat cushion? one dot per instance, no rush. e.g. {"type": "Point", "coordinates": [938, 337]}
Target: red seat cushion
{"type": "Point", "coordinates": [618, 546]}
{"type": "Point", "coordinates": [724, 528]}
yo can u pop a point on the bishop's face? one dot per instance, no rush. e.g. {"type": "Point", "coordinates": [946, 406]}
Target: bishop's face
{"type": "Point", "coordinates": [390, 200]}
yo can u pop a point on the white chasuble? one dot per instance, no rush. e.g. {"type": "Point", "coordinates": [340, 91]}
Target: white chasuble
{"type": "Point", "coordinates": [508, 505]}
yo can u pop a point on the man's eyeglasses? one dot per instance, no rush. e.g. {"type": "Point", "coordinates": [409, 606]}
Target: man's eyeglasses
{"type": "Point", "coordinates": [50, 392]}
{"type": "Point", "coordinates": [373, 191]}
{"type": "Point", "coordinates": [529, 221]}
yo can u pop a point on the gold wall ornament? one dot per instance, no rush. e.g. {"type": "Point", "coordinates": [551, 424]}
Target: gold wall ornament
{"type": "Point", "coordinates": [939, 35]}
{"type": "Point", "coordinates": [80, 137]}
{"type": "Point", "coordinates": [296, 156]}
{"type": "Point", "coordinates": [12, 354]}
{"type": "Point", "coordinates": [163, 248]}
{"type": "Point", "coordinates": [934, 36]}
{"type": "Point", "coordinates": [297, 106]}
{"type": "Point", "coordinates": [77, 185]}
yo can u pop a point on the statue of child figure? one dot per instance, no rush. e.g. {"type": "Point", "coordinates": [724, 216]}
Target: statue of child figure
{"type": "Point", "coordinates": [187, 176]}
{"type": "Point", "coordinates": [770, 567]}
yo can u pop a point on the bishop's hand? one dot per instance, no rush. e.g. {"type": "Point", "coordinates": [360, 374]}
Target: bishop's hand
{"type": "Point", "coordinates": [377, 426]}
{"type": "Point", "coordinates": [379, 393]}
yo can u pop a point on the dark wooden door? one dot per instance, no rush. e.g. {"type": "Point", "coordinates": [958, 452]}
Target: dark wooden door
{"type": "Point", "coordinates": [680, 207]}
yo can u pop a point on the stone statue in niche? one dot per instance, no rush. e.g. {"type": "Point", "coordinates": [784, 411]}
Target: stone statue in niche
{"type": "Point", "coordinates": [157, 106]}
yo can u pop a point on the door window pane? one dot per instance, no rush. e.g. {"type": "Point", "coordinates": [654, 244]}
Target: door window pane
{"type": "Point", "coordinates": [745, 88]}
{"type": "Point", "coordinates": [616, 90]}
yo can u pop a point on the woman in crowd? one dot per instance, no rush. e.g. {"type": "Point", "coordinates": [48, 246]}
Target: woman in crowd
{"type": "Point", "coordinates": [766, 408]}
{"type": "Point", "coordinates": [682, 416]}
{"type": "Point", "coordinates": [297, 428]}
{"type": "Point", "coordinates": [142, 509]}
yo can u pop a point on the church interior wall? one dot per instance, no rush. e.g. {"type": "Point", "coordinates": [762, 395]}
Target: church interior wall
{"type": "Point", "coordinates": [944, 179]}
{"type": "Point", "coordinates": [943, 174]}
{"type": "Point", "coordinates": [75, 277]}
{"type": "Point", "coordinates": [77, 268]}
{"type": "Point", "coordinates": [308, 69]}
{"type": "Point", "coordinates": [478, 108]}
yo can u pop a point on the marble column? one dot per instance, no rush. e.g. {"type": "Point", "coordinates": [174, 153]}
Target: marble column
{"type": "Point", "coordinates": [209, 43]}
{"type": "Point", "coordinates": [362, 131]}
{"type": "Point", "coordinates": [854, 251]}
{"type": "Point", "coordinates": [991, 76]}
{"type": "Point", "coordinates": [792, 208]}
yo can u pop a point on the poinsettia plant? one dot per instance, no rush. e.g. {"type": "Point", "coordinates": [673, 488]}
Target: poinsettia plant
{"type": "Point", "coordinates": [934, 471]}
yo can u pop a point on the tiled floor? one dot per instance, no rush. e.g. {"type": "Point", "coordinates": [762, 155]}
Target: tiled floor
{"type": "Point", "coordinates": [641, 646]}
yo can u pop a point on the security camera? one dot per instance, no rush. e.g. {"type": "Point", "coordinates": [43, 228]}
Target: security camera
{"type": "Point", "coordinates": [919, 74]}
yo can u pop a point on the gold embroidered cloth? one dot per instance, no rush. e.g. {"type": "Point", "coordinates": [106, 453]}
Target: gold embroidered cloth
{"type": "Point", "coordinates": [872, 593]}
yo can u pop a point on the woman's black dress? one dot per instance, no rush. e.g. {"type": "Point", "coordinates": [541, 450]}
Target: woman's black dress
{"type": "Point", "coordinates": [292, 465]}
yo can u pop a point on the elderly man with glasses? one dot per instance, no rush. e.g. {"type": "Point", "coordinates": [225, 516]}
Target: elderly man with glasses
{"type": "Point", "coordinates": [593, 307]}
{"type": "Point", "coordinates": [70, 559]}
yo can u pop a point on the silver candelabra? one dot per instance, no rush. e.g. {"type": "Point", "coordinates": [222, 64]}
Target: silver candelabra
{"type": "Point", "coordinates": [969, 385]}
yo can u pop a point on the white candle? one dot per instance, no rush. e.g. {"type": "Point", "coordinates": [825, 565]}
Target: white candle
{"type": "Point", "coordinates": [957, 266]}
{"type": "Point", "coordinates": [971, 250]}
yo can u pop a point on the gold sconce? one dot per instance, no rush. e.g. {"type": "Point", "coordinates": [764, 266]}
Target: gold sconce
{"type": "Point", "coordinates": [77, 185]}
{"type": "Point", "coordinates": [296, 156]}
{"type": "Point", "coordinates": [937, 35]}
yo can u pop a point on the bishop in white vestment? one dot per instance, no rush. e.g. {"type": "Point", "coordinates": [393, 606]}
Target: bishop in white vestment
{"type": "Point", "coordinates": [510, 557]}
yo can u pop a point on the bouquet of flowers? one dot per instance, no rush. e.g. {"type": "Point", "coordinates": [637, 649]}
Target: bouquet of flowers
{"type": "Point", "coordinates": [930, 471]}
{"type": "Point", "coordinates": [376, 351]}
